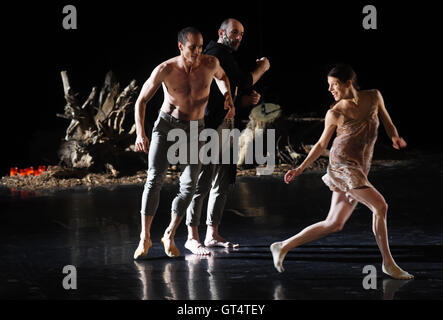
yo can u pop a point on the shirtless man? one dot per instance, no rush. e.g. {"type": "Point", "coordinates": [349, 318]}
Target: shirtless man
{"type": "Point", "coordinates": [186, 81]}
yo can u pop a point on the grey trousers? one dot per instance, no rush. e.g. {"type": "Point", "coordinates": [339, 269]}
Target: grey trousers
{"type": "Point", "coordinates": [158, 165]}
{"type": "Point", "coordinates": [214, 179]}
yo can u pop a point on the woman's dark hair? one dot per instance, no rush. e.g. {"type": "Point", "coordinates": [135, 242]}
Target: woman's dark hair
{"type": "Point", "coordinates": [344, 73]}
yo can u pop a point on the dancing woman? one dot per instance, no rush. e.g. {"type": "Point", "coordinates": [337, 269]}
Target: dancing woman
{"type": "Point", "coordinates": [355, 119]}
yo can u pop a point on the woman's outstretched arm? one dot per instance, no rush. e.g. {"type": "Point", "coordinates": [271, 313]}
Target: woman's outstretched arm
{"type": "Point", "coordinates": [331, 121]}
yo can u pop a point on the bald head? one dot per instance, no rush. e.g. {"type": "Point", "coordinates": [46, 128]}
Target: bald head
{"type": "Point", "coordinates": [231, 33]}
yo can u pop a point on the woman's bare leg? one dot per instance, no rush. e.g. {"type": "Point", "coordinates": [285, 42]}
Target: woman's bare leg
{"type": "Point", "coordinates": [377, 204]}
{"type": "Point", "coordinates": [339, 213]}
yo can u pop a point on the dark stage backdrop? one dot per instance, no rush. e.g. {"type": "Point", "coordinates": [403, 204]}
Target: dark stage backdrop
{"type": "Point", "coordinates": [302, 40]}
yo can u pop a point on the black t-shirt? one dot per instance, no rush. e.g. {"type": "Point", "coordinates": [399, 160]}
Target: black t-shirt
{"type": "Point", "coordinates": [215, 113]}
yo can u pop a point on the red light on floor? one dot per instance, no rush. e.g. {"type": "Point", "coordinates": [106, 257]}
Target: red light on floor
{"type": "Point", "coordinates": [13, 171]}
{"type": "Point", "coordinates": [29, 171]}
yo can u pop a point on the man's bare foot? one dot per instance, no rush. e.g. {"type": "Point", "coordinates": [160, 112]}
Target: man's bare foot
{"type": "Point", "coordinates": [170, 248]}
{"type": "Point", "coordinates": [278, 256]}
{"type": "Point", "coordinates": [143, 248]}
{"type": "Point", "coordinates": [196, 248]}
{"type": "Point", "coordinates": [396, 272]}
{"type": "Point", "coordinates": [218, 241]}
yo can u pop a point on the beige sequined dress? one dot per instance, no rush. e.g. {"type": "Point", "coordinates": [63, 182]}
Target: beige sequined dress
{"type": "Point", "coordinates": [351, 153]}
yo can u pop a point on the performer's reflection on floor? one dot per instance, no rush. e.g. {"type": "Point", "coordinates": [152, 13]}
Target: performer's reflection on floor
{"type": "Point", "coordinates": [216, 280]}
{"type": "Point", "coordinates": [145, 276]}
{"type": "Point", "coordinates": [193, 283]}
{"type": "Point", "coordinates": [279, 292]}
{"type": "Point", "coordinates": [172, 281]}
{"type": "Point", "coordinates": [177, 287]}
{"type": "Point", "coordinates": [391, 286]}
{"type": "Point", "coordinates": [196, 264]}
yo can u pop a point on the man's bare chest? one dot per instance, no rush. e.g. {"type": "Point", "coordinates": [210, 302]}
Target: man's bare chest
{"type": "Point", "coordinates": [192, 83]}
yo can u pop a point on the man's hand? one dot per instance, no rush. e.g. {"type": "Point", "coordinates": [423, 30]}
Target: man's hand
{"type": "Point", "coordinates": [229, 105]}
{"type": "Point", "coordinates": [398, 143]}
{"type": "Point", "coordinates": [250, 99]}
{"type": "Point", "coordinates": [263, 63]}
{"type": "Point", "coordinates": [142, 143]}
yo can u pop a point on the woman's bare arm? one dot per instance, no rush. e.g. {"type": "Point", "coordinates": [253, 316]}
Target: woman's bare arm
{"type": "Point", "coordinates": [332, 120]}
{"type": "Point", "coordinates": [391, 130]}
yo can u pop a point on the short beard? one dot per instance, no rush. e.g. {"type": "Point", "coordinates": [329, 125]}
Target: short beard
{"type": "Point", "coordinates": [228, 42]}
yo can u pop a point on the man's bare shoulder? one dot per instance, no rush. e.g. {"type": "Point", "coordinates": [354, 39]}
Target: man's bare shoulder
{"type": "Point", "coordinates": [210, 62]}
{"type": "Point", "coordinates": [168, 65]}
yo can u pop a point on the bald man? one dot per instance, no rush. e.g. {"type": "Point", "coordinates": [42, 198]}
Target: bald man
{"type": "Point", "coordinates": [217, 179]}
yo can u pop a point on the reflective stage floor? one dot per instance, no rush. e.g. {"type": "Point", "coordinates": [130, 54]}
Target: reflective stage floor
{"type": "Point", "coordinates": [97, 231]}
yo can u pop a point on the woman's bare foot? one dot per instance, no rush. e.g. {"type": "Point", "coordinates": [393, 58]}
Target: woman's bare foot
{"type": "Point", "coordinates": [143, 248]}
{"type": "Point", "coordinates": [196, 247]}
{"type": "Point", "coordinates": [170, 248]}
{"type": "Point", "coordinates": [396, 272]}
{"type": "Point", "coordinates": [278, 256]}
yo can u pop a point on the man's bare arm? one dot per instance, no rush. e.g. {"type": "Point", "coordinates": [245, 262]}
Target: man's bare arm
{"type": "Point", "coordinates": [222, 81]}
{"type": "Point", "coordinates": [148, 90]}
{"type": "Point", "coordinates": [263, 65]}
{"type": "Point", "coordinates": [221, 78]}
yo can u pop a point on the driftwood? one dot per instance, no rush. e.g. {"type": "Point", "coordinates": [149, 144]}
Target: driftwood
{"type": "Point", "coordinates": [293, 131]}
{"type": "Point", "coordinates": [293, 128]}
{"type": "Point", "coordinates": [101, 132]}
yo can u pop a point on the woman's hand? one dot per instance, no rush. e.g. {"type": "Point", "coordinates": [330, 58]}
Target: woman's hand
{"type": "Point", "coordinates": [398, 143]}
{"type": "Point", "coordinates": [291, 174]}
